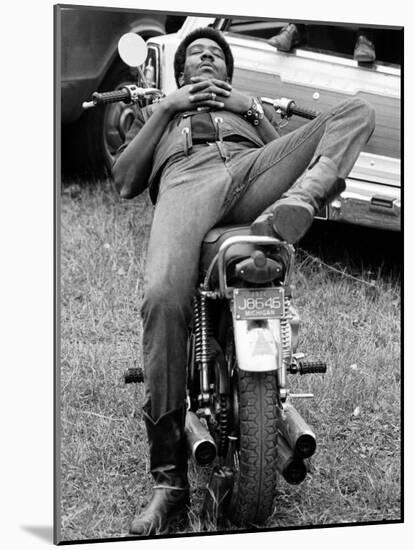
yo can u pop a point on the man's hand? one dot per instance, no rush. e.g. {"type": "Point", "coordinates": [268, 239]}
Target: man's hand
{"type": "Point", "coordinates": [231, 99]}
{"type": "Point", "coordinates": [207, 95]}
{"type": "Point", "coordinates": [202, 93]}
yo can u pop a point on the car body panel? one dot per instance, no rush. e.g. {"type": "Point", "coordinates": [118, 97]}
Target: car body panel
{"type": "Point", "coordinates": [319, 81]}
{"type": "Point", "coordinates": [88, 47]}
{"type": "Point", "coordinates": [368, 204]}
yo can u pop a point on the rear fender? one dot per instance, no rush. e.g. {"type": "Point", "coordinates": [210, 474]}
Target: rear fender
{"type": "Point", "coordinates": [258, 344]}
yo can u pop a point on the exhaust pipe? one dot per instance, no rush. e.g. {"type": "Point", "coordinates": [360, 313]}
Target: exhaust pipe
{"type": "Point", "coordinates": [200, 443]}
{"type": "Point", "coordinates": [297, 432]}
{"type": "Point", "coordinates": [291, 467]}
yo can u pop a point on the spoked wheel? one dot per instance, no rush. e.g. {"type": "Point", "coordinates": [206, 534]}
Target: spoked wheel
{"type": "Point", "coordinates": [255, 411]}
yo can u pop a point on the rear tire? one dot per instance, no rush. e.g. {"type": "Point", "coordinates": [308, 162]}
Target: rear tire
{"type": "Point", "coordinates": [256, 473]}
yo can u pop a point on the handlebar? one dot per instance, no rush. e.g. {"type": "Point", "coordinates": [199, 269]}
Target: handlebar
{"type": "Point", "coordinates": [128, 94]}
{"type": "Point", "coordinates": [287, 107]}
{"type": "Point", "coordinates": [111, 97]}
{"type": "Point", "coordinates": [132, 94]}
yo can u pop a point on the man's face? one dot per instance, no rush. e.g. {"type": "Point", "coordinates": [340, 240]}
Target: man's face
{"type": "Point", "coordinates": [204, 58]}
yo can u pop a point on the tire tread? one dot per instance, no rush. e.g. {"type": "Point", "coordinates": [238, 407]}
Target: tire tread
{"type": "Point", "coordinates": [258, 447]}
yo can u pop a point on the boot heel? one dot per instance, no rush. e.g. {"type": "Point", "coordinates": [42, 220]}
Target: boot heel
{"type": "Point", "coordinates": [262, 226]}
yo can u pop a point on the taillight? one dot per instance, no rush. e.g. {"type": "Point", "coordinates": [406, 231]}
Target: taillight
{"type": "Point", "coordinates": [259, 268]}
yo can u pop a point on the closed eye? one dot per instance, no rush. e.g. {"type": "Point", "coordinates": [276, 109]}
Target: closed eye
{"type": "Point", "coordinates": [217, 52]}
{"type": "Point", "coordinates": [195, 51]}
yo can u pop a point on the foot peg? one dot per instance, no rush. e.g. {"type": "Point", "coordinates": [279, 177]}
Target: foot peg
{"type": "Point", "coordinates": [308, 367]}
{"type": "Point", "coordinates": [134, 375]}
{"type": "Point", "coordinates": [312, 367]}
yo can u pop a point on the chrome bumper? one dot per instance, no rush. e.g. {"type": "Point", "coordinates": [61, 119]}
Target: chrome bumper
{"type": "Point", "coordinates": [369, 205]}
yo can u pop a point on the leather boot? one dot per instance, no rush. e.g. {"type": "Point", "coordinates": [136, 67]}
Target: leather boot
{"type": "Point", "coordinates": [287, 38]}
{"type": "Point", "coordinates": [292, 215]}
{"type": "Point", "coordinates": [364, 50]}
{"type": "Point", "coordinates": [168, 462]}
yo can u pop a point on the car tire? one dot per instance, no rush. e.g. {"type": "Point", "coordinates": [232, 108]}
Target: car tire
{"type": "Point", "coordinates": [88, 146]}
{"type": "Point", "coordinates": [100, 131]}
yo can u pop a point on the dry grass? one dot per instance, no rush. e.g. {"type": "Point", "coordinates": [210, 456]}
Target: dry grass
{"type": "Point", "coordinates": [355, 474]}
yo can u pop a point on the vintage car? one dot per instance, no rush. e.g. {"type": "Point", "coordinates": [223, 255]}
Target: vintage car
{"type": "Point", "coordinates": [87, 60]}
{"type": "Point", "coordinates": [317, 75]}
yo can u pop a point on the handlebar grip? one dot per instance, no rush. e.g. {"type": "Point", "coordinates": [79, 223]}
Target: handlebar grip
{"type": "Point", "coordinates": [312, 367]}
{"type": "Point", "coordinates": [304, 113]}
{"type": "Point", "coordinates": [111, 97]}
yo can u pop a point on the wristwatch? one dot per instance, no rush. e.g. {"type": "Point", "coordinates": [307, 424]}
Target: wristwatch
{"type": "Point", "coordinates": [255, 112]}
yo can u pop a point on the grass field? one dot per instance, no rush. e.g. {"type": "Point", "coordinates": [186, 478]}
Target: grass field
{"type": "Point", "coordinates": [354, 326]}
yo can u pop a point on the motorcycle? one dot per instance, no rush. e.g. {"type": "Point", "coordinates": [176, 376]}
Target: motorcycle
{"type": "Point", "coordinates": [242, 346]}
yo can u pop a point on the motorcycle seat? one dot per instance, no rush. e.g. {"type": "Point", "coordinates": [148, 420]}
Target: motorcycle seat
{"type": "Point", "coordinates": [215, 238]}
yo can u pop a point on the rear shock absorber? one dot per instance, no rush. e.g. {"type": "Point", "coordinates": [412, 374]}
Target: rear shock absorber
{"type": "Point", "coordinates": [286, 334]}
{"type": "Point", "coordinates": [286, 337]}
{"type": "Point", "coordinates": [203, 346]}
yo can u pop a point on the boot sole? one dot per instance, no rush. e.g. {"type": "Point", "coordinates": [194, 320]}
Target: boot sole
{"type": "Point", "coordinates": [292, 220]}
{"type": "Point", "coordinates": [178, 519]}
{"type": "Point", "coordinates": [364, 59]}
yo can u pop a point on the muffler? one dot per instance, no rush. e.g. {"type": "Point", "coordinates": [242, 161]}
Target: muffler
{"type": "Point", "coordinates": [200, 443]}
{"type": "Point", "coordinates": [292, 467]}
{"type": "Point", "coordinates": [297, 432]}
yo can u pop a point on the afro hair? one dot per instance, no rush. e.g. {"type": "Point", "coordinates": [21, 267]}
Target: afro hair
{"type": "Point", "coordinates": [203, 32]}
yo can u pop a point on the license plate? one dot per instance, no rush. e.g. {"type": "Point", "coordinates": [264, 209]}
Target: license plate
{"type": "Point", "coordinates": [263, 303]}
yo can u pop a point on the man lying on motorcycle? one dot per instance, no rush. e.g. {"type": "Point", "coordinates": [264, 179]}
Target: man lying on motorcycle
{"type": "Point", "coordinates": [211, 154]}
